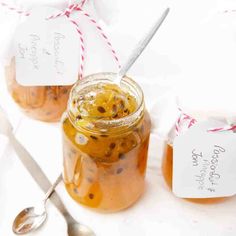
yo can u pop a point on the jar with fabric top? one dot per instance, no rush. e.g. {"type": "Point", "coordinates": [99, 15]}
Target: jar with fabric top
{"type": "Point", "coordinates": [47, 101]}
{"type": "Point", "coordinates": [209, 170]}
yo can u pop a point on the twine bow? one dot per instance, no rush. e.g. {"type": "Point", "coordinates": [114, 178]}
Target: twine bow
{"type": "Point", "coordinates": [67, 12]}
{"type": "Point", "coordinates": [188, 121]}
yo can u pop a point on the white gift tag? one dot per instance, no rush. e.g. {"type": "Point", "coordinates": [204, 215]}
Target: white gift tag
{"type": "Point", "coordinates": [46, 51]}
{"type": "Point", "coordinates": [204, 163]}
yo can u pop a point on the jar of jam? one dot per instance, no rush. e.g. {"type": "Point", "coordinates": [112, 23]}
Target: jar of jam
{"type": "Point", "coordinates": [105, 140]}
{"type": "Point", "coordinates": [167, 162]}
{"type": "Point", "coordinates": [167, 170]}
{"type": "Point", "coordinates": [45, 103]}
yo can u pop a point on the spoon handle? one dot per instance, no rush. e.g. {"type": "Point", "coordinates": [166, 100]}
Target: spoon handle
{"type": "Point", "coordinates": [31, 165]}
{"type": "Point", "coordinates": [142, 45]}
{"type": "Point", "coordinates": [52, 188]}
{"type": "Point", "coordinates": [38, 175]}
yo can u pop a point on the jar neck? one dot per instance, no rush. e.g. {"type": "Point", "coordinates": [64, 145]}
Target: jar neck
{"type": "Point", "coordinates": [105, 126]}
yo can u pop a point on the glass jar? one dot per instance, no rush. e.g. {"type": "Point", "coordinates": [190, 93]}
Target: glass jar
{"type": "Point", "coordinates": [105, 159]}
{"type": "Point", "coordinates": [167, 161]}
{"type": "Point", "coordinates": [45, 103]}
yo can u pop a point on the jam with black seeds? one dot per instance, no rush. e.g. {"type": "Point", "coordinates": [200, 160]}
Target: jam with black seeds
{"type": "Point", "coordinates": [45, 103]}
{"type": "Point", "coordinates": [104, 169]}
{"type": "Point", "coordinates": [101, 109]}
{"type": "Point", "coordinates": [122, 155]}
{"type": "Point", "coordinates": [112, 145]}
{"type": "Point", "coordinates": [119, 170]}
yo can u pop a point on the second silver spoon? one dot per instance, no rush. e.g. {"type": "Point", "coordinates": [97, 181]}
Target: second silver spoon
{"type": "Point", "coordinates": [32, 218]}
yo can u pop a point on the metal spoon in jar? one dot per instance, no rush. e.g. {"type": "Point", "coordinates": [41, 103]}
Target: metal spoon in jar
{"type": "Point", "coordinates": [140, 47]}
{"type": "Point", "coordinates": [31, 218]}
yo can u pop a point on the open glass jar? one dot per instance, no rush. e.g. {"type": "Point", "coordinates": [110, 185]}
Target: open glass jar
{"type": "Point", "coordinates": [105, 140]}
{"type": "Point", "coordinates": [45, 103]}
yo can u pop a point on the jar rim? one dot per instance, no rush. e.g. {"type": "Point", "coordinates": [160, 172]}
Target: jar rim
{"type": "Point", "coordinates": [109, 78]}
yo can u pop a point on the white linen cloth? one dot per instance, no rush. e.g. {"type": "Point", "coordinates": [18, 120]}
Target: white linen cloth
{"type": "Point", "coordinates": [192, 55]}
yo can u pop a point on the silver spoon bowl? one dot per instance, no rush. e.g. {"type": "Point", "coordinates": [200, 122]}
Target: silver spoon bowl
{"type": "Point", "coordinates": [28, 220]}
{"type": "Point", "coordinates": [32, 218]}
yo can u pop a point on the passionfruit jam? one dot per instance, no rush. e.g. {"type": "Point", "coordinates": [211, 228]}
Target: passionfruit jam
{"type": "Point", "coordinates": [167, 170]}
{"type": "Point", "coordinates": [105, 141]}
{"type": "Point", "coordinates": [45, 103]}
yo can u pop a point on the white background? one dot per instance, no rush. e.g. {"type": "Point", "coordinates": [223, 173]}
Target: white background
{"type": "Point", "coordinates": [194, 53]}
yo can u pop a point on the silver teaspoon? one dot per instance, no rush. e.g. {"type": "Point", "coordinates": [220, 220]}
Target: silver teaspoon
{"type": "Point", "coordinates": [140, 47]}
{"type": "Point", "coordinates": [74, 228]}
{"type": "Point", "coordinates": [32, 218]}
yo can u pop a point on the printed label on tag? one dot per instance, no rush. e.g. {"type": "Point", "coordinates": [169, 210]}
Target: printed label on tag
{"type": "Point", "coordinates": [46, 51]}
{"type": "Point", "coordinates": [204, 163]}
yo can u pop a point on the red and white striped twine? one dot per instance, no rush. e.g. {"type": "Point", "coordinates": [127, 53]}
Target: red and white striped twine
{"type": "Point", "coordinates": [13, 8]}
{"type": "Point", "coordinates": [183, 118]}
{"type": "Point", "coordinates": [81, 70]}
{"type": "Point", "coordinates": [102, 34]}
{"type": "Point", "coordinates": [192, 121]}
{"type": "Point", "coordinates": [67, 12]}
{"type": "Point", "coordinates": [221, 129]}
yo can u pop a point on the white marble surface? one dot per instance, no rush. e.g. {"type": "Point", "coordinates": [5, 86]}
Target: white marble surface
{"type": "Point", "coordinates": [195, 55]}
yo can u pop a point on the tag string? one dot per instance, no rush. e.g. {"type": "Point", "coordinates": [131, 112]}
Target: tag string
{"type": "Point", "coordinates": [221, 129]}
{"type": "Point", "coordinates": [67, 12]}
{"type": "Point", "coordinates": [183, 119]}
{"type": "Point", "coordinates": [188, 121]}
{"type": "Point", "coordinates": [13, 8]}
